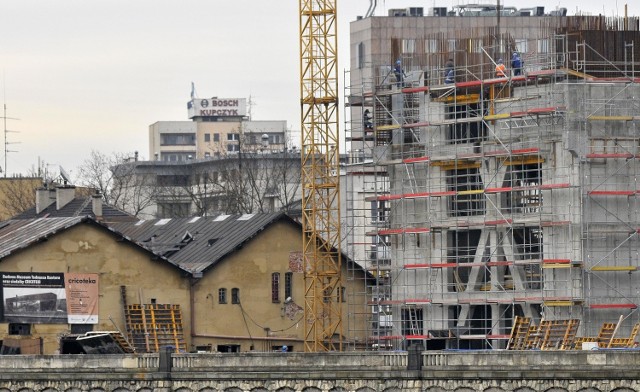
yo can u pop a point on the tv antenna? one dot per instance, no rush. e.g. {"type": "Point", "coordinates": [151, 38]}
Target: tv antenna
{"type": "Point", "coordinates": [65, 176]}
{"type": "Point", "coordinates": [6, 142]}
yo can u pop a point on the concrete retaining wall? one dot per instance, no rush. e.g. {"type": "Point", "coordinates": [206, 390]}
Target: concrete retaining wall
{"type": "Point", "coordinates": [491, 371]}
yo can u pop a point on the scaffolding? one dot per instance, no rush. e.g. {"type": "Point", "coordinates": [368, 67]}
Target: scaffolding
{"type": "Point", "coordinates": [477, 200]}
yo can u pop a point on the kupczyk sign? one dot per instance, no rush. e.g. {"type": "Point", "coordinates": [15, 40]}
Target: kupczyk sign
{"type": "Point", "coordinates": [217, 107]}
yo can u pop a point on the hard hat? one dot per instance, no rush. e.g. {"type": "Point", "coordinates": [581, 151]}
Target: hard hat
{"type": "Point", "coordinates": [499, 60]}
{"type": "Point", "coordinates": [398, 62]}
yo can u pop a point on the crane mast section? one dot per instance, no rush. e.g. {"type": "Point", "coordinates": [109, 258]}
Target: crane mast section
{"type": "Point", "coordinates": [320, 175]}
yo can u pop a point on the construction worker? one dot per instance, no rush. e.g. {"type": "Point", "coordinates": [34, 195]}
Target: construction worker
{"type": "Point", "coordinates": [399, 72]}
{"type": "Point", "coordinates": [449, 73]}
{"type": "Point", "coordinates": [501, 70]}
{"type": "Point", "coordinates": [450, 78]}
{"type": "Point", "coordinates": [516, 64]}
{"type": "Point", "coordinates": [366, 119]}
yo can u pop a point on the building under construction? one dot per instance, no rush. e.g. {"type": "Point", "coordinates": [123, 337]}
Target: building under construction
{"type": "Point", "coordinates": [483, 197]}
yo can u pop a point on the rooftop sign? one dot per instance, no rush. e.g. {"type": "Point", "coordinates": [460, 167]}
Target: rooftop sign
{"type": "Point", "coordinates": [217, 107]}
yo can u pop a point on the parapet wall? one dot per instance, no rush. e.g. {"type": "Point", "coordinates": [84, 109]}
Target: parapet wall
{"type": "Point", "coordinates": [594, 371]}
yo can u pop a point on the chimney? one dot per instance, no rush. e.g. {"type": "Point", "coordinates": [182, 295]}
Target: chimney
{"type": "Point", "coordinates": [96, 205]}
{"type": "Point", "coordinates": [43, 199]}
{"type": "Point", "coordinates": [64, 194]}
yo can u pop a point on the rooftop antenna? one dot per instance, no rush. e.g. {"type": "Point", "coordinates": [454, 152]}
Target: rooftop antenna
{"type": "Point", "coordinates": [6, 131]}
{"type": "Point", "coordinates": [193, 90]}
{"type": "Point", "coordinates": [251, 103]}
{"type": "Point", "coordinates": [65, 176]}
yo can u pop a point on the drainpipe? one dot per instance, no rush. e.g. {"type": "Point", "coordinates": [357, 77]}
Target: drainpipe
{"type": "Point", "coordinates": [195, 278]}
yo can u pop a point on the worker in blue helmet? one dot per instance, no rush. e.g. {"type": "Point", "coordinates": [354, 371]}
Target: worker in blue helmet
{"type": "Point", "coordinates": [516, 64]}
{"type": "Point", "coordinates": [399, 72]}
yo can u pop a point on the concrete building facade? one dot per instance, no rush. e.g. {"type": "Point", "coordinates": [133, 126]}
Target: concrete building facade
{"type": "Point", "coordinates": [219, 127]}
{"type": "Point", "coordinates": [243, 182]}
{"type": "Point", "coordinates": [494, 196]}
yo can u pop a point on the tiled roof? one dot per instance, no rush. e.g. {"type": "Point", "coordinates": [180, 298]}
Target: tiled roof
{"type": "Point", "coordinates": [191, 244]}
{"type": "Point", "coordinates": [195, 244]}
{"type": "Point", "coordinates": [79, 206]}
{"type": "Point", "coordinates": [18, 234]}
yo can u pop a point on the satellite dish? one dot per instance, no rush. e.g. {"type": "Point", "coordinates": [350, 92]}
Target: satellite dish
{"type": "Point", "coordinates": [65, 176]}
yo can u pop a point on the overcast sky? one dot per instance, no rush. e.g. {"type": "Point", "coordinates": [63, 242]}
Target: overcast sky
{"type": "Point", "coordinates": [94, 74]}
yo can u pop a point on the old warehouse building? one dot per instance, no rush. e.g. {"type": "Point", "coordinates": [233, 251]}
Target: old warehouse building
{"type": "Point", "coordinates": [224, 283]}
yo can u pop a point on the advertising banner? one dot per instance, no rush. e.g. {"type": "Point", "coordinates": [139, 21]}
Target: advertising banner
{"type": "Point", "coordinates": [49, 298]}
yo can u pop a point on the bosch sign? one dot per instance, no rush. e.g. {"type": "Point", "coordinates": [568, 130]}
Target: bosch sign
{"type": "Point", "coordinates": [217, 107]}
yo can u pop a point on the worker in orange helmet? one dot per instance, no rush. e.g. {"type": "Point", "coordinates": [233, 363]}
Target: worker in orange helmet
{"type": "Point", "coordinates": [501, 71]}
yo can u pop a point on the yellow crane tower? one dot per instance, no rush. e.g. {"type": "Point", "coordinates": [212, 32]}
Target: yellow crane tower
{"type": "Point", "coordinates": [320, 175]}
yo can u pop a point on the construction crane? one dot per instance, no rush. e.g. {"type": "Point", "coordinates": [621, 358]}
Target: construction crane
{"type": "Point", "coordinates": [320, 175]}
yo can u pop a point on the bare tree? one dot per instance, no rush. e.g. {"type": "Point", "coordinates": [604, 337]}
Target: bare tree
{"type": "Point", "coordinates": [238, 182]}
{"type": "Point", "coordinates": [18, 194]}
{"type": "Point", "coordinates": [257, 179]}
{"type": "Point", "coordinates": [120, 184]}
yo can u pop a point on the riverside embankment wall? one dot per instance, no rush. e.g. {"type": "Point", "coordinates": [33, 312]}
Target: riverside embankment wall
{"type": "Point", "coordinates": [483, 371]}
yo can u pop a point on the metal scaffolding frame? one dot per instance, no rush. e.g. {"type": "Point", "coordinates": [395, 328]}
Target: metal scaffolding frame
{"type": "Point", "coordinates": [477, 201]}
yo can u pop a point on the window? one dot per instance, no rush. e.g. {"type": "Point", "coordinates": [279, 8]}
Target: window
{"type": "Point", "coordinates": [408, 46]}
{"type": "Point", "coordinates": [173, 210]}
{"type": "Point", "coordinates": [207, 137]}
{"type": "Point", "coordinates": [543, 46]}
{"type": "Point", "coordinates": [360, 55]}
{"type": "Point", "coordinates": [78, 329]}
{"type": "Point", "coordinates": [233, 137]}
{"type": "Point", "coordinates": [527, 179]}
{"type": "Point", "coordinates": [176, 156]}
{"type": "Point", "coordinates": [431, 46]}
{"type": "Point", "coordinates": [228, 348]}
{"type": "Point", "coordinates": [275, 287]}
{"type": "Point", "coordinates": [233, 147]}
{"type": "Point", "coordinates": [411, 321]}
{"type": "Point", "coordinates": [235, 296]}
{"type": "Point", "coordinates": [462, 247]}
{"type": "Point", "coordinates": [468, 200]}
{"type": "Point", "coordinates": [19, 329]}
{"type": "Point", "coordinates": [342, 294]}
{"type": "Point", "coordinates": [222, 296]}
{"type": "Point", "coordinates": [452, 45]}
{"type": "Point", "coordinates": [379, 211]}
{"type": "Point", "coordinates": [522, 46]}
{"type": "Point", "coordinates": [471, 131]}
{"type": "Point", "coordinates": [288, 285]}
{"type": "Point", "coordinates": [216, 137]}
{"type": "Point", "coordinates": [177, 139]}
{"type": "Point", "coordinates": [172, 180]}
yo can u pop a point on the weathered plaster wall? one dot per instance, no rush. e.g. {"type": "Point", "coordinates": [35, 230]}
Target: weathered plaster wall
{"type": "Point", "coordinates": [249, 269]}
{"type": "Point", "coordinates": [86, 248]}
